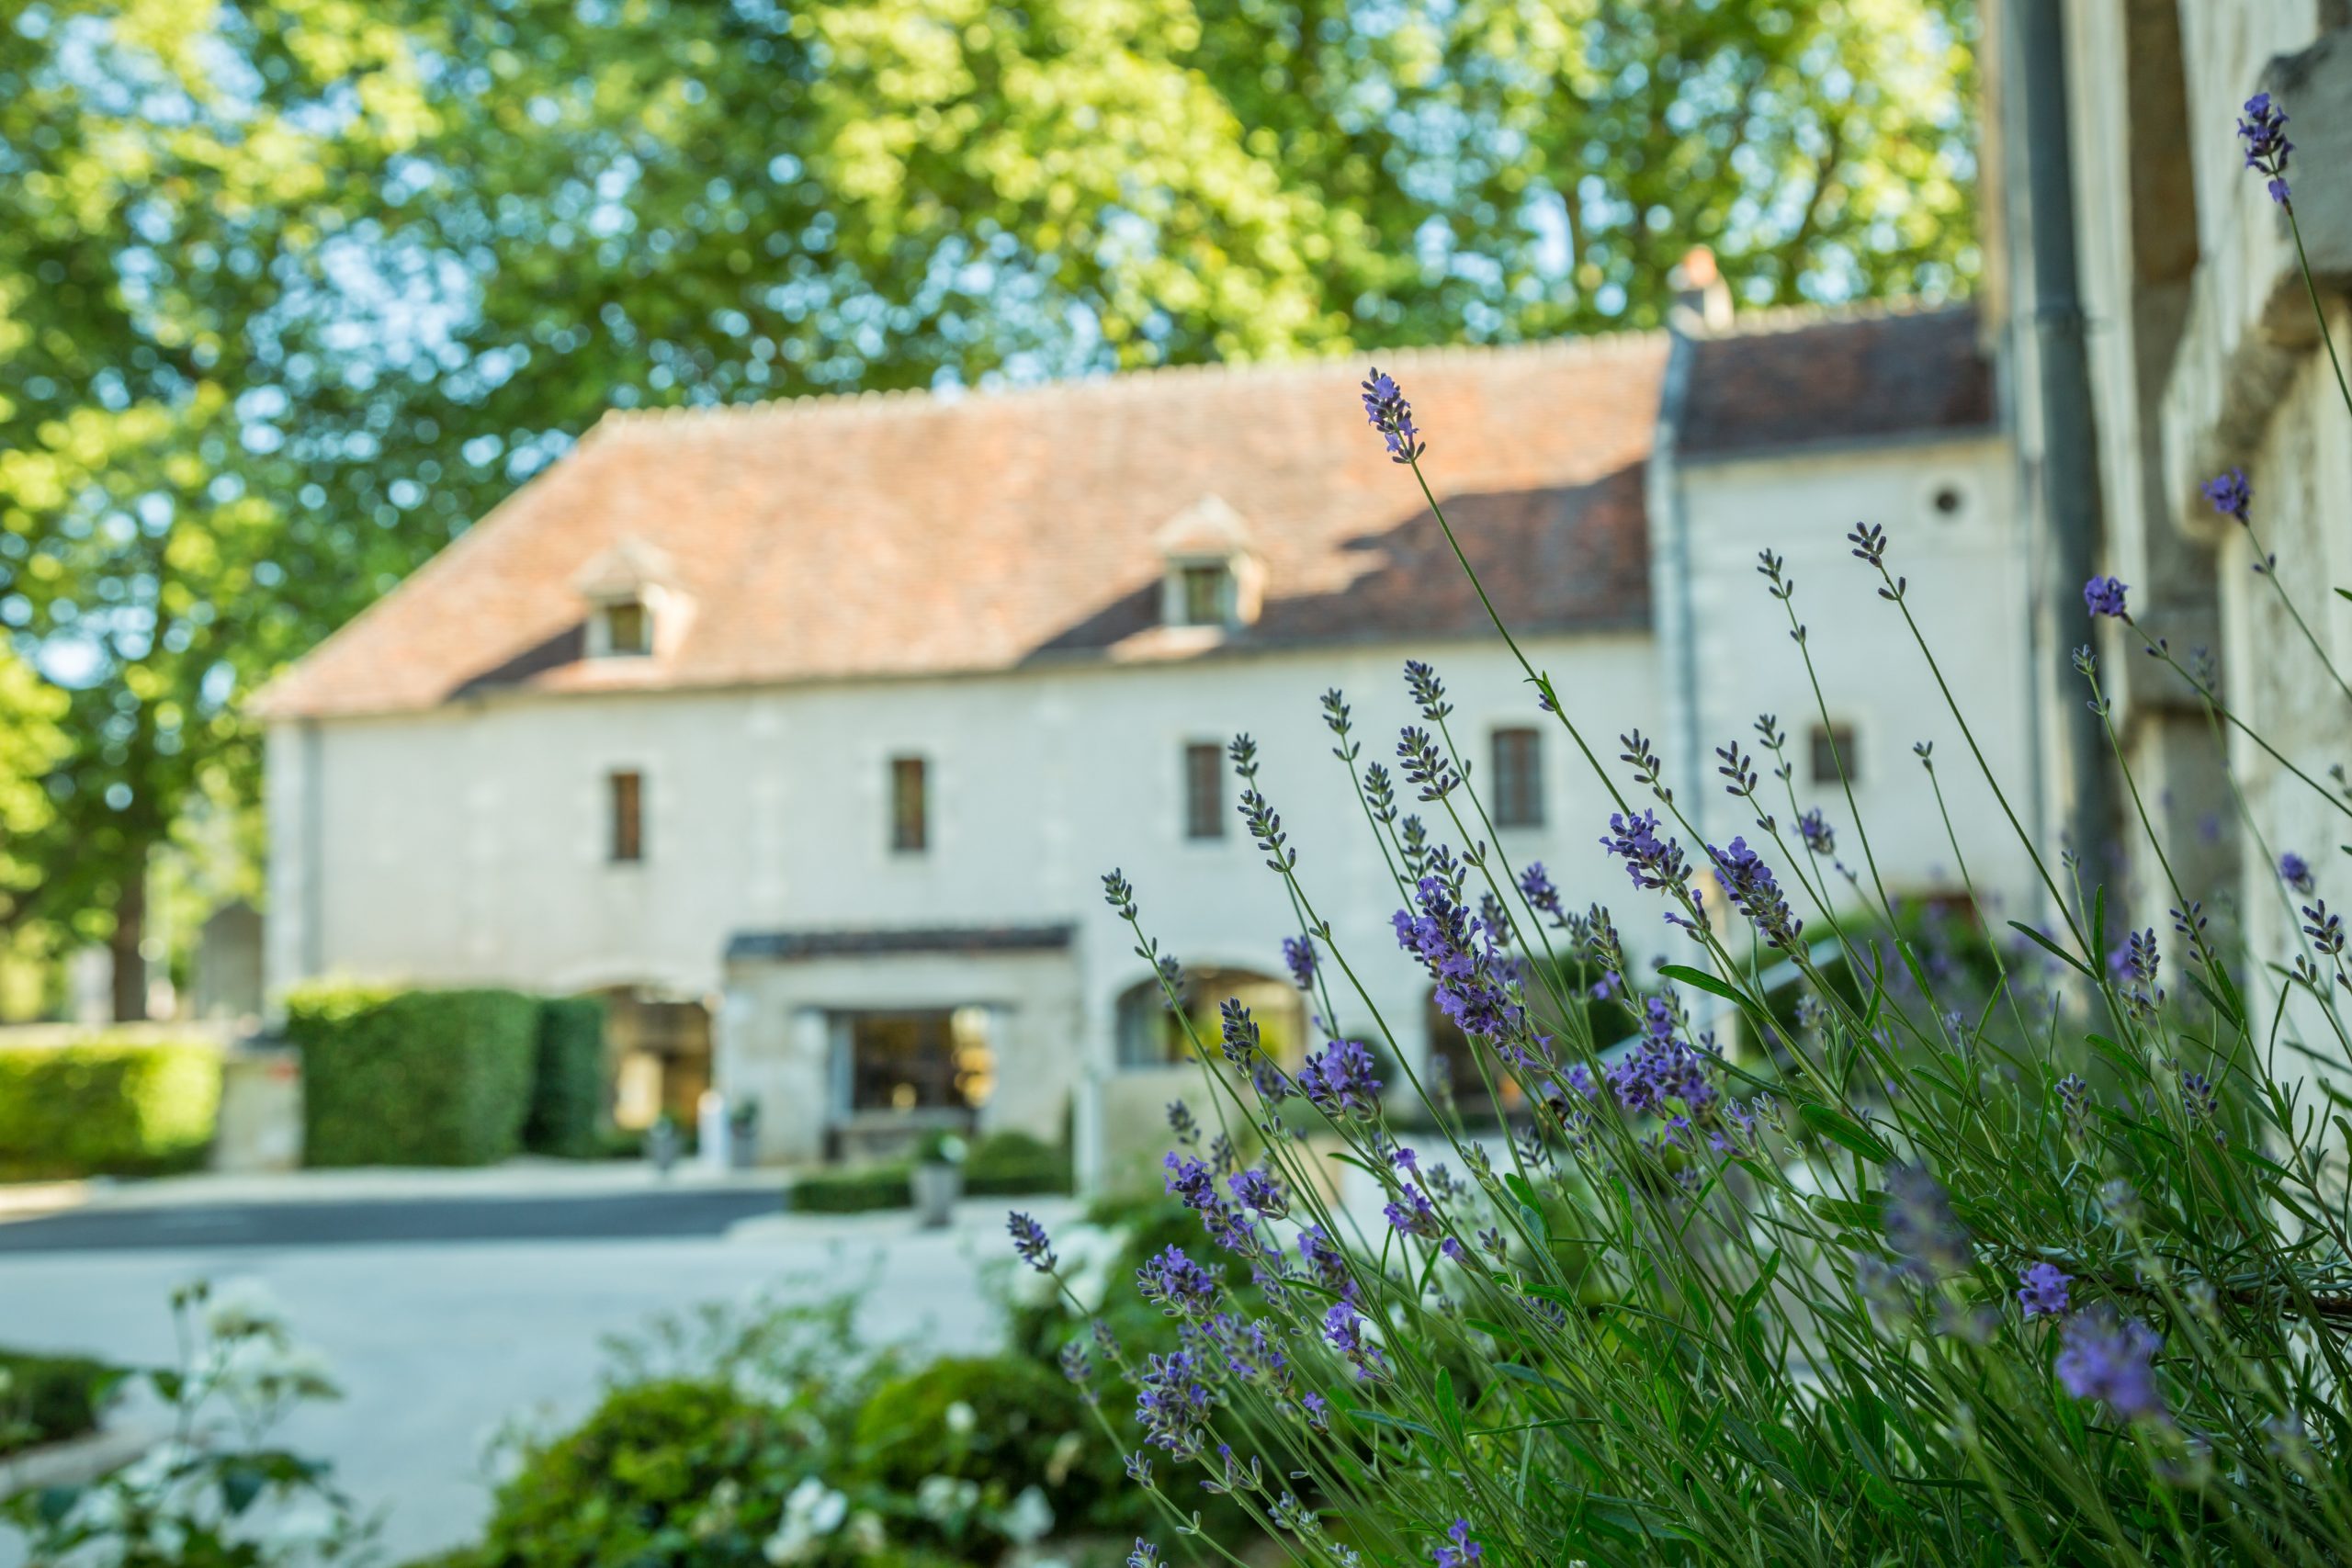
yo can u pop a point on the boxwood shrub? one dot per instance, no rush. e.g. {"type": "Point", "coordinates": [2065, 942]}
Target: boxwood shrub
{"type": "Point", "coordinates": [1012, 1162]}
{"type": "Point", "coordinates": [107, 1108]}
{"type": "Point", "coordinates": [855, 1189]}
{"type": "Point", "coordinates": [48, 1399]}
{"type": "Point", "coordinates": [413, 1078]}
{"type": "Point", "coordinates": [568, 1090]}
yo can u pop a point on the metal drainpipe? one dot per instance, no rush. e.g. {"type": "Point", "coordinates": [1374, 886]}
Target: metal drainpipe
{"type": "Point", "coordinates": [2070, 479]}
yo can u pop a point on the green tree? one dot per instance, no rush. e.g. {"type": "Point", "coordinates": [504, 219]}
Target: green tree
{"type": "Point", "coordinates": [170, 173]}
{"type": "Point", "coordinates": [292, 290]}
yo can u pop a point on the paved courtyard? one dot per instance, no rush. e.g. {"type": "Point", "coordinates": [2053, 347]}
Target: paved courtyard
{"type": "Point", "coordinates": [438, 1342]}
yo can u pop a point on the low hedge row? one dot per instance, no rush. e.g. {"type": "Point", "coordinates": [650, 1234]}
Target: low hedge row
{"type": "Point", "coordinates": [413, 1078]}
{"type": "Point", "coordinates": [855, 1189]}
{"type": "Point", "coordinates": [48, 1399]}
{"type": "Point", "coordinates": [1010, 1163]}
{"type": "Point", "coordinates": [106, 1109]}
{"type": "Point", "coordinates": [1003, 1164]}
{"type": "Point", "coordinates": [446, 1077]}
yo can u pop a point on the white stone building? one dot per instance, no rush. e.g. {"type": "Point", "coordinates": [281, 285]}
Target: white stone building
{"type": "Point", "coordinates": [807, 730]}
{"type": "Point", "coordinates": [2202, 354]}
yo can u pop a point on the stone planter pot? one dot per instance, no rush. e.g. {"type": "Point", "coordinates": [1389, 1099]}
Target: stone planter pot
{"type": "Point", "coordinates": [935, 1188]}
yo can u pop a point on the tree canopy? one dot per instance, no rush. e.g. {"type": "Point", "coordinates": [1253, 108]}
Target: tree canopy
{"type": "Point", "coordinates": [291, 291]}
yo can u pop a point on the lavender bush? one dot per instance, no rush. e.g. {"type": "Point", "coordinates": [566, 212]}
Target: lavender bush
{"type": "Point", "coordinates": [2040, 1271]}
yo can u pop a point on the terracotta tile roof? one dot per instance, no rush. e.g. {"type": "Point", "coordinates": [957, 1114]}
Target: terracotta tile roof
{"type": "Point", "coordinates": [911, 534]}
{"type": "Point", "coordinates": [1802, 380]}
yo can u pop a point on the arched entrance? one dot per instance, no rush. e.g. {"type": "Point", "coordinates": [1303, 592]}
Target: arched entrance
{"type": "Point", "coordinates": [1151, 1036]}
{"type": "Point", "coordinates": [657, 1055]}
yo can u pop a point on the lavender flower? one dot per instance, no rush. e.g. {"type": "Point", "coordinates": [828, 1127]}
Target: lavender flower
{"type": "Point", "coordinates": [1079, 1367]}
{"type": "Point", "coordinates": [1298, 955]}
{"type": "Point", "coordinates": [2199, 1098]}
{"type": "Point", "coordinates": [2111, 1362]}
{"type": "Point", "coordinates": [1339, 1081]}
{"type": "Point", "coordinates": [1257, 1191]}
{"type": "Point", "coordinates": [2042, 1291]}
{"type": "Point", "coordinates": [2074, 1103]}
{"type": "Point", "coordinates": [2104, 596]}
{"type": "Point", "coordinates": [1818, 836]}
{"type": "Point", "coordinates": [1145, 1555]}
{"type": "Point", "coordinates": [1753, 890]}
{"type": "Point", "coordinates": [1344, 1329]}
{"type": "Point", "coordinates": [1190, 1180]}
{"type": "Point", "coordinates": [2230, 495]}
{"type": "Point", "coordinates": [1412, 1214]}
{"type": "Point", "coordinates": [2326, 930]}
{"type": "Point", "coordinates": [1172, 1405]}
{"type": "Point", "coordinates": [2295, 872]}
{"type": "Point", "coordinates": [1392, 416]}
{"type": "Point", "coordinates": [1920, 1224]}
{"type": "Point", "coordinates": [1459, 955]}
{"type": "Point", "coordinates": [1650, 861]}
{"type": "Point", "coordinates": [1237, 1033]}
{"type": "Point", "coordinates": [1427, 691]}
{"type": "Point", "coordinates": [2263, 132]}
{"type": "Point", "coordinates": [1464, 1552]}
{"type": "Point", "coordinates": [1660, 1068]}
{"type": "Point", "coordinates": [1535, 884]}
{"type": "Point", "coordinates": [1029, 1239]}
{"type": "Point", "coordinates": [1177, 1286]}
{"type": "Point", "coordinates": [1331, 1264]}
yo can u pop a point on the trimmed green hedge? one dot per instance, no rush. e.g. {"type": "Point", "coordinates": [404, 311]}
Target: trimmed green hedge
{"type": "Point", "coordinates": [47, 1399]}
{"type": "Point", "coordinates": [413, 1078]}
{"type": "Point", "coordinates": [854, 1190]}
{"type": "Point", "coordinates": [567, 1091]}
{"type": "Point", "coordinates": [1011, 1163]}
{"type": "Point", "coordinates": [106, 1109]}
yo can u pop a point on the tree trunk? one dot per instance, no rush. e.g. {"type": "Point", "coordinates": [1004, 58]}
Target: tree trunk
{"type": "Point", "coordinates": [129, 936]}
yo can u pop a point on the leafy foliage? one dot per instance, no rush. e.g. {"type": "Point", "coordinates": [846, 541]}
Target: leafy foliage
{"type": "Point", "coordinates": [293, 291]}
{"type": "Point", "coordinates": [568, 1083]}
{"type": "Point", "coordinates": [47, 1399]}
{"type": "Point", "coordinates": [216, 1493]}
{"type": "Point", "coordinates": [413, 1078]}
{"type": "Point", "coordinates": [107, 1108]}
{"type": "Point", "coordinates": [771, 1435]}
{"type": "Point", "coordinates": [850, 1190]}
{"type": "Point", "coordinates": [1978, 1253]}
{"type": "Point", "coordinates": [1011, 1161]}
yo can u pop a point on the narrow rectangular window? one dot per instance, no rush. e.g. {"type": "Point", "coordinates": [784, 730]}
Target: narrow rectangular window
{"type": "Point", "coordinates": [1519, 778]}
{"type": "Point", "coordinates": [628, 816]}
{"type": "Point", "coordinates": [1203, 791]}
{"type": "Point", "coordinates": [910, 806]}
{"type": "Point", "coordinates": [1831, 744]}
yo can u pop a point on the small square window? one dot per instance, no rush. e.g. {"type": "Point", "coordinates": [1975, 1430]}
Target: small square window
{"type": "Point", "coordinates": [627, 788]}
{"type": "Point", "coordinates": [628, 628]}
{"type": "Point", "coordinates": [1833, 744]}
{"type": "Point", "coordinates": [1519, 778]}
{"type": "Point", "coordinates": [910, 806]}
{"type": "Point", "coordinates": [1203, 791]}
{"type": "Point", "coordinates": [1208, 595]}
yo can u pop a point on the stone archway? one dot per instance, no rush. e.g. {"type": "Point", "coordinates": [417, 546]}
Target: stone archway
{"type": "Point", "coordinates": [657, 1055]}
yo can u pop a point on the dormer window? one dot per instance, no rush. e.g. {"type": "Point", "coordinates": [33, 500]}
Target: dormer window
{"type": "Point", "coordinates": [628, 627]}
{"type": "Point", "coordinates": [1207, 594]}
{"type": "Point", "coordinates": [634, 606]}
{"type": "Point", "coordinates": [1213, 578]}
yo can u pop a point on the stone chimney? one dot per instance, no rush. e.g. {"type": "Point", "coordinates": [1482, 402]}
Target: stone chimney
{"type": "Point", "coordinates": [1702, 297]}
